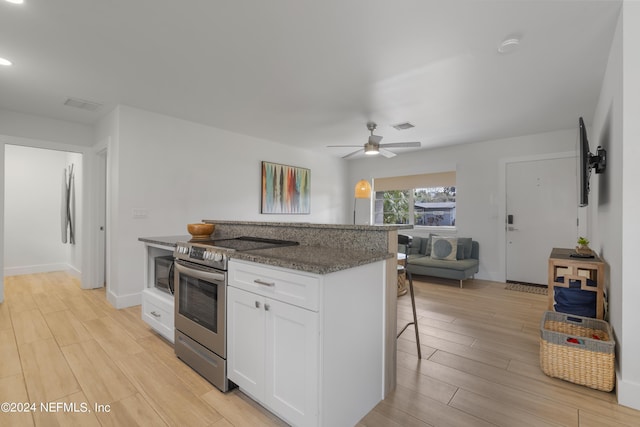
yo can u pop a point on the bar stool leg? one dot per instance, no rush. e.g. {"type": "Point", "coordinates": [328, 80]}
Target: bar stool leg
{"type": "Point", "coordinates": [415, 316]}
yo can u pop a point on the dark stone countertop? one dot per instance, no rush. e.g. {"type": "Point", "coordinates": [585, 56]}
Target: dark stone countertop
{"type": "Point", "coordinates": [165, 240]}
{"type": "Point", "coordinates": [310, 259]}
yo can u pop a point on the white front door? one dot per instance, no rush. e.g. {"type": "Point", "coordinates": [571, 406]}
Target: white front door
{"type": "Point", "coordinates": [542, 213]}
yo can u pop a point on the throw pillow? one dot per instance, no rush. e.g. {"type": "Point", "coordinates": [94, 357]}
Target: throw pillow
{"type": "Point", "coordinates": [424, 244]}
{"type": "Point", "coordinates": [444, 248]}
{"type": "Point", "coordinates": [464, 248]}
{"type": "Point", "coordinates": [429, 243]}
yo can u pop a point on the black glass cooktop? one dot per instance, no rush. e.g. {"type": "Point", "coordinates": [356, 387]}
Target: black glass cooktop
{"type": "Point", "coordinates": [245, 243]}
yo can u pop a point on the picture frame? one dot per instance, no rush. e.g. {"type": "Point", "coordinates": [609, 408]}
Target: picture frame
{"type": "Point", "coordinates": [285, 189]}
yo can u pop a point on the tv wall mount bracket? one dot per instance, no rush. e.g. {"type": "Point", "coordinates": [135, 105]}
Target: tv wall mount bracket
{"type": "Point", "coordinates": [598, 161]}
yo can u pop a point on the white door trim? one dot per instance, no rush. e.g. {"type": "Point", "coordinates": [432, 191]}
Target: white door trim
{"type": "Point", "coordinates": [502, 197]}
{"type": "Point", "coordinates": [97, 255]}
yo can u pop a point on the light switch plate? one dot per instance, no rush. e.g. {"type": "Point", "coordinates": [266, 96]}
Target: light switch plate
{"type": "Point", "coordinates": [140, 213]}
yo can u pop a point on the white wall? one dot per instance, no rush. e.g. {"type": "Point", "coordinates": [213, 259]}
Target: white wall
{"type": "Point", "coordinates": [480, 192]}
{"type": "Point", "coordinates": [32, 241]}
{"type": "Point", "coordinates": [29, 130]}
{"type": "Point", "coordinates": [41, 128]}
{"type": "Point", "coordinates": [180, 172]}
{"type": "Point", "coordinates": [616, 206]}
{"type": "Point", "coordinates": [629, 389]}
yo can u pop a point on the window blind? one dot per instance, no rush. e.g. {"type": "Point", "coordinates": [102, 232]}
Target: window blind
{"type": "Point", "coordinates": [426, 180]}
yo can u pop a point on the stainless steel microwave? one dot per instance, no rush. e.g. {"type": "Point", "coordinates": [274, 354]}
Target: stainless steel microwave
{"type": "Point", "coordinates": [164, 273]}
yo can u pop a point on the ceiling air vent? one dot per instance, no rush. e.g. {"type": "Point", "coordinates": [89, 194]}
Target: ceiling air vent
{"type": "Point", "coordinates": [82, 104]}
{"type": "Point", "coordinates": [403, 126]}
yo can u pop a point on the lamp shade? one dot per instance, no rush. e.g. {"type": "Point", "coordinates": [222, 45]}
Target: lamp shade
{"type": "Point", "coordinates": [363, 189]}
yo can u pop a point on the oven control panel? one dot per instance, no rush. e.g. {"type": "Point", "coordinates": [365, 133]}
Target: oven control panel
{"type": "Point", "coordinates": [201, 254]}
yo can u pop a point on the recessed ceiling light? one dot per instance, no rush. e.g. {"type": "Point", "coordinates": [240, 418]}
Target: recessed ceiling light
{"type": "Point", "coordinates": [5, 62]}
{"type": "Point", "coordinates": [509, 45]}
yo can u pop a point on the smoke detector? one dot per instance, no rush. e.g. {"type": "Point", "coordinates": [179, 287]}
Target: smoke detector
{"type": "Point", "coordinates": [509, 45]}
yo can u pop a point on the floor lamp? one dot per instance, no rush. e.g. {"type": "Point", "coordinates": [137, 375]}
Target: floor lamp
{"type": "Point", "coordinates": [362, 191]}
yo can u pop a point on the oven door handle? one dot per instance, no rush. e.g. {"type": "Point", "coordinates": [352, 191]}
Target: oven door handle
{"type": "Point", "coordinates": [199, 273]}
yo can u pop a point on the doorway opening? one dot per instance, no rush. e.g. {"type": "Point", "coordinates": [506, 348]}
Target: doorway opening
{"type": "Point", "coordinates": [42, 210]}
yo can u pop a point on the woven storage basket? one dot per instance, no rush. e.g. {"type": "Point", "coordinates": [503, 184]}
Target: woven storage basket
{"type": "Point", "coordinates": [570, 350]}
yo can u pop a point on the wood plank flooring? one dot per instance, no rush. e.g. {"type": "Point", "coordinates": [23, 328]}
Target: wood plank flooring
{"type": "Point", "coordinates": [63, 345]}
{"type": "Point", "coordinates": [480, 365]}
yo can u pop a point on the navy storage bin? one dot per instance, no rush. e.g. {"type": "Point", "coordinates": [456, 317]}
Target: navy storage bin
{"type": "Point", "coordinates": [573, 300]}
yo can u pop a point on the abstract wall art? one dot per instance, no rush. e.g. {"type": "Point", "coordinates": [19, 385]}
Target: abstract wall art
{"type": "Point", "coordinates": [285, 189]}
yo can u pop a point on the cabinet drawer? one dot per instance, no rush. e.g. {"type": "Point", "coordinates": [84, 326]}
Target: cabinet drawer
{"type": "Point", "coordinates": [158, 315]}
{"type": "Point", "coordinates": [280, 284]}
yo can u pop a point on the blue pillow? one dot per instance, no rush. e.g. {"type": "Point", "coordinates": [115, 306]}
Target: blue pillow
{"type": "Point", "coordinates": [464, 248]}
{"type": "Point", "coordinates": [444, 248]}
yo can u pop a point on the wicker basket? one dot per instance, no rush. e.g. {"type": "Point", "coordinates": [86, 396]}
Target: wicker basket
{"type": "Point", "coordinates": [577, 349]}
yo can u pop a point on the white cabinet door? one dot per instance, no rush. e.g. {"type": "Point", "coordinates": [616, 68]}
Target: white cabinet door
{"type": "Point", "coordinates": [291, 362]}
{"type": "Point", "coordinates": [245, 341]}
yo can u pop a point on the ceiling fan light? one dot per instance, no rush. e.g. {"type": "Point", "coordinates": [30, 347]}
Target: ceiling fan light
{"type": "Point", "coordinates": [371, 149]}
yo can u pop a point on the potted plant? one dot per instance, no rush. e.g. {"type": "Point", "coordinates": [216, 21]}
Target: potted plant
{"type": "Point", "coordinates": [583, 246]}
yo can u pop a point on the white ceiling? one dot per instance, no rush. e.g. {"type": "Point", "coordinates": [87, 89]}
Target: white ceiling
{"type": "Point", "coordinates": [312, 73]}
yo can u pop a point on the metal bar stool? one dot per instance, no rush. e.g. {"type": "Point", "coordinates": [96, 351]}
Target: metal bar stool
{"type": "Point", "coordinates": [405, 242]}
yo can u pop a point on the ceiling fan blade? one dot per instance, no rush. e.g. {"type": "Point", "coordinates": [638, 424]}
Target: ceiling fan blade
{"type": "Point", "coordinates": [401, 144]}
{"type": "Point", "coordinates": [340, 146]}
{"type": "Point", "coordinates": [352, 154]}
{"type": "Point", "coordinates": [375, 139]}
{"type": "Point", "coordinates": [388, 154]}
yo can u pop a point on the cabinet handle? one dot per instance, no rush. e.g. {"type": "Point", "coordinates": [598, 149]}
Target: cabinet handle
{"type": "Point", "coordinates": [154, 314]}
{"type": "Point", "coordinates": [267, 307]}
{"type": "Point", "coordinates": [262, 282]}
{"type": "Point", "coordinates": [257, 304]}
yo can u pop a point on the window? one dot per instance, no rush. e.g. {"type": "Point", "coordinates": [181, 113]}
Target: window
{"type": "Point", "coordinates": [424, 204]}
{"type": "Point", "coordinates": [392, 207]}
{"type": "Point", "coordinates": [435, 206]}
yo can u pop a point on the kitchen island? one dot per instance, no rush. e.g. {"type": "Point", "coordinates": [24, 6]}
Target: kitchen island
{"type": "Point", "coordinates": [352, 237]}
{"type": "Point", "coordinates": [311, 328]}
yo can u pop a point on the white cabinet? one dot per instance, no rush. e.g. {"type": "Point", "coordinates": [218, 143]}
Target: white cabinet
{"type": "Point", "coordinates": [157, 306]}
{"type": "Point", "coordinates": [246, 341]}
{"type": "Point", "coordinates": [273, 354]}
{"type": "Point", "coordinates": [157, 311]}
{"type": "Point", "coordinates": [299, 345]}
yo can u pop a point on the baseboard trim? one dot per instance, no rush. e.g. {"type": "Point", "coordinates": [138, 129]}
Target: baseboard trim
{"type": "Point", "coordinates": [628, 393]}
{"type": "Point", "coordinates": [41, 268]}
{"type": "Point", "coordinates": [124, 301]}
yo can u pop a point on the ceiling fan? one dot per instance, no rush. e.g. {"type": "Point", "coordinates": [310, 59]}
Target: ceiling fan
{"type": "Point", "coordinates": [373, 146]}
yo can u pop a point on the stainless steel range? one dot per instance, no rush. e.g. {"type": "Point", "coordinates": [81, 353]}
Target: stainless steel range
{"type": "Point", "coordinates": [200, 309]}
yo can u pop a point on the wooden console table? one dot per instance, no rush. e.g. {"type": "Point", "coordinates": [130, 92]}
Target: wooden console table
{"type": "Point", "coordinates": [561, 264]}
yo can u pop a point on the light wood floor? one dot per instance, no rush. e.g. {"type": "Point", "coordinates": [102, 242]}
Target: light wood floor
{"type": "Point", "coordinates": [479, 365]}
